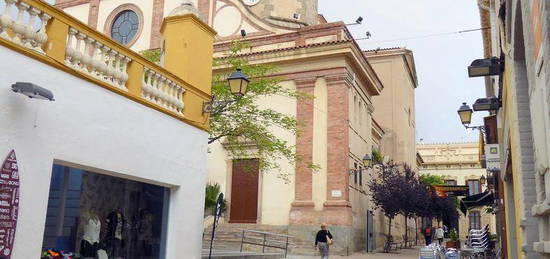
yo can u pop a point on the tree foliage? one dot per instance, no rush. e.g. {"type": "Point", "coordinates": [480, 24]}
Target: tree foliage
{"type": "Point", "coordinates": [241, 123]}
{"type": "Point", "coordinates": [431, 180]}
{"type": "Point", "coordinates": [398, 190]}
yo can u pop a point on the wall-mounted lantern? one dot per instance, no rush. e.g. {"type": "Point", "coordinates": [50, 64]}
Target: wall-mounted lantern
{"type": "Point", "coordinates": [32, 91]}
{"type": "Point", "coordinates": [486, 67]}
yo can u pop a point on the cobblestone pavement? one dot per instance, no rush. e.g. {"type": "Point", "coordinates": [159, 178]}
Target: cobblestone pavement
{"type": "Point", "coordinates": [402, 254]}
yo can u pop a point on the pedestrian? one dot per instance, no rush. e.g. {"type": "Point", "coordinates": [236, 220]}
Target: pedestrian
{"type": "Point", "coordinates": [323, 240]}
{"type": "Point", "coordinates": [428, 232]}
{"type": "Point", "coordinates": [439, 234]}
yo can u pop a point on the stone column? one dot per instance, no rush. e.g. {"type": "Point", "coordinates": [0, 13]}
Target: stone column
{"type": "Point", "coordinates": [302, 207]}
{"type": "Point", "coordinates": [337, 208]}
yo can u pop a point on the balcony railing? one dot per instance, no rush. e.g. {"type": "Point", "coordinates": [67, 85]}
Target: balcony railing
{"type": "Point", "coordinates": [41, 31]}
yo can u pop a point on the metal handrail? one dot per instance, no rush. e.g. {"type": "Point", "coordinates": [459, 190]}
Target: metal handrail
{"type": "Point", "coordinates": [265, 240]}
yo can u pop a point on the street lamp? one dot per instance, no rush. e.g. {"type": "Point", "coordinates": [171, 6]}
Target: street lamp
{"type": "Point", "coordinates": [485, 67]}
{"type": "Point", "coordinates": [238, 83]}
{"type": "Point", "coordinates": [465, 113]}
{"type": "Point", "coordinates": [367, 160]}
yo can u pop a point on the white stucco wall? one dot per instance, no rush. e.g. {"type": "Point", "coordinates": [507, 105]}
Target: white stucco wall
{"type": "Point", "coordinates": [89, 126]}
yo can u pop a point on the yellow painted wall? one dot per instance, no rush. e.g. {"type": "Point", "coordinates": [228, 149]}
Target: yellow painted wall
{"type": "Point", "coordinates": [511, 137]}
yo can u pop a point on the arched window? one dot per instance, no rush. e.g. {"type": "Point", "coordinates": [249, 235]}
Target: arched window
{"type": "Point", "coordinates": [124, 24]}
{"type": "Point", "coordinates": [125, 27]}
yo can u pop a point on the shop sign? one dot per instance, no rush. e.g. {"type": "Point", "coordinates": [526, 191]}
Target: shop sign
{"type": "Point", "coordinates": [451, 190]}
{"type": "Point", "coordinates": [9, 204]}
{"type": "Point", "coordinates": [492, 156]}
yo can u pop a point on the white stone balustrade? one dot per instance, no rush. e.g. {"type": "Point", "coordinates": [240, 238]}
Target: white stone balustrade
{"type": "Point", "coordinates": [158, 89]}
{"type": "Point", "coordinates": [90, 56]}
{"type": "Point", "coordinates": [27, 28]}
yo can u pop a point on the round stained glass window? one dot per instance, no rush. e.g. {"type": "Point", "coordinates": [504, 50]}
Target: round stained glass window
{"type": "Point", "coordinates": [125, 27]}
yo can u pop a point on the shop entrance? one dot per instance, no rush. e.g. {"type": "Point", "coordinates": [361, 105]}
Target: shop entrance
{"type": "Point", "coordinates": [244, 191]}
{"type": "Point", "coordinates": [93, 214]}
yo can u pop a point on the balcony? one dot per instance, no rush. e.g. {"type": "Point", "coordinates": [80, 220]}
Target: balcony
{"type": "Point", "coordinates": [42, 32]}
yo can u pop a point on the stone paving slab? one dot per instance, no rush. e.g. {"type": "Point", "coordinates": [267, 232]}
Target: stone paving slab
{"type": "Point", "coordinates": [401, 254]}
{"type": "Point", "coordinates": [226, 254]}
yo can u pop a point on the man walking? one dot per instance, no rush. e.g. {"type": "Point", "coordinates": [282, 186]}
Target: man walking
{"type": "Point", "coordinates": [439, 234]}
{"type": "Point", "coordinates": [322, 240]}
{"type": "Point", "coordinates": [428, 232]}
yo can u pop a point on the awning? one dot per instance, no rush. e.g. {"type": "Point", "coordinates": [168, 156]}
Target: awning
{"type": "Point", "coordinates": [477, 200]}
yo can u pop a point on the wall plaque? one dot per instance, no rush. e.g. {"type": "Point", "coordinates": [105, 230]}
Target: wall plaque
{"type": "Point", "coordinates": [9, 204]}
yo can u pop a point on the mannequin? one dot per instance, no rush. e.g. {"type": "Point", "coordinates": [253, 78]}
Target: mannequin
{"type": "Point", "coordinates": [145, 229]}
{"type": "Point", "coordinates": [90, 240]}
{"type": "Point", "coordinates": [115, 230]}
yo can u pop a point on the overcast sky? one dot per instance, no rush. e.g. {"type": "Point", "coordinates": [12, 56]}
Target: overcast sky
{"type": "Point", "coordinates": [441, 61]}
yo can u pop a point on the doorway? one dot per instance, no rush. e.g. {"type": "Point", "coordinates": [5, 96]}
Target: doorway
{"type": "Point", "coordinates": [244, 191]}
{"type": "Point", "coordinates": [370, 232]}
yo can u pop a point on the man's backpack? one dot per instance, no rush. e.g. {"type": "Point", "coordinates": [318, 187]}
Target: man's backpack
{"type": "Point", "coordinates": [428, 231]}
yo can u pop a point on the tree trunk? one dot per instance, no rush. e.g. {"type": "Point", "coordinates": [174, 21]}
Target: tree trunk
{"type": "Point", "coordinates": [416, 230]}
{"type": "Point", "coordinates": [389, 227]}
{"type": "Point", "coordinates": [406, 229]}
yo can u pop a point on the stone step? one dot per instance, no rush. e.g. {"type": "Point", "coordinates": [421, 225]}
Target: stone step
{"type": "Point", "coordinates": [229, 236]}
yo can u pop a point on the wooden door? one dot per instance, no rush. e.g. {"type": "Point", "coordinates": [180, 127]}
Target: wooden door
{"type": "Point", "coordinates": [244, 191]}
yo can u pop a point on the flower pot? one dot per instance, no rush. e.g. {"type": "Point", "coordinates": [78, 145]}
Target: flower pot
{"type": "Point", "coordinates": [452, 244]}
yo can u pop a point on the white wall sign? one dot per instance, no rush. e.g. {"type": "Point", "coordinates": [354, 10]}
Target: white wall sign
{"type": "Point", "coordinates": [492, 156]}
{"type": "Point", "coordinates": [336, 193]}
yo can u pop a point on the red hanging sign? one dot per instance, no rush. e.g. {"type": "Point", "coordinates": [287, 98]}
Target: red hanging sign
{"type": "Point", "coordinates": [9, 204]}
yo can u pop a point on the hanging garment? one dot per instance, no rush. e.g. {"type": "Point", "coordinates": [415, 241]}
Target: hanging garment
{"type": "Point", "coordinates": [92, 230]}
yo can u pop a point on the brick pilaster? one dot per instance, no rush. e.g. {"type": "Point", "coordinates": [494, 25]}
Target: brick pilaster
{"type": "Point", "coordinates": [338, 140]}
{"type": "Point", "coordinates": [93, 13]}
{"type": "Point", "coordinates": [158, 15]}
{"type": "Point", "coordinates": [304, 143]}
{"type": "Point", "coordinates": [337, 210]}
{"type": "Point", "coordinates": [302, 207]}
{"type": "Point", "coordinates": [204, 10]}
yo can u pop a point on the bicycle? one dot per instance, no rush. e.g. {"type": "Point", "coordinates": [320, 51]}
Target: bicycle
{"type": "Point", "coordinates": [388, 243]}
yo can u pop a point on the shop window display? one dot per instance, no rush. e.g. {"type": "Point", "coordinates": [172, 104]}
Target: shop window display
{"type": "Point", "coordinates": [92, 215]}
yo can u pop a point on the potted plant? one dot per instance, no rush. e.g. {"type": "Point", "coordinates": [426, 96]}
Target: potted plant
{"type": "Point", "coordinates": [453, 242]}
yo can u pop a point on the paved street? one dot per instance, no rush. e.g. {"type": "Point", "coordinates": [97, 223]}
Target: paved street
{"type": "Point", "coordinates": [403, 254]}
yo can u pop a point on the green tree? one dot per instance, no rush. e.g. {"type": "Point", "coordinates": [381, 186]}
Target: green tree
{"type": "Point", "coordinates": [431, 180]}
